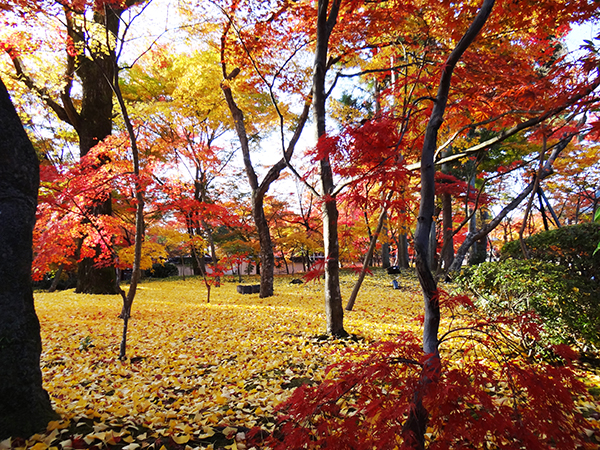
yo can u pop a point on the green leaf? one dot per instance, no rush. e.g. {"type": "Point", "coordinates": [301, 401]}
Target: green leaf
{"type": "Point", "coordinates": [597, 215]}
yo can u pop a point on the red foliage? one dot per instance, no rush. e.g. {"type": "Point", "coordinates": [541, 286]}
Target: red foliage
{"type": "Point", "coordinates": [491, 396]}
{"type": "Point", "coordinates": [449, 184]}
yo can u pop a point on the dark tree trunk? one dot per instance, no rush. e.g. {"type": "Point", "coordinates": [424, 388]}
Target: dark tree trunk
{"type": "Point", "coordinates": [402, 244]}
{"type": "Point", "coordinates": [385, 247]}
{"type": "Point", "coordinates": [416, 424]}
{"type": "Point", "coordinates": [326, 20]}
{"type": "Point", "coordinates": [25, 406]}
{"type": "Point", "coordinates": [447, 252]}
{"type": "Point", "coordinates": [93, 124]}
{"type": "Point", "coordinates": [267, 259]}
{"type": "Point", "coordinates": [56, 279]}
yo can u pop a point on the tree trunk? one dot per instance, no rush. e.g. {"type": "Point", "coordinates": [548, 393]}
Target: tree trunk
{"type": "Point", "coordinates": [25, 406]}
{"type": "Point", "coordinates": [333, 296]}
{"type": "Point", "coordinates": [368, 256]}
{"type": "Point", "coordinates": [416, 424]}
{"type": "Point", "coordinates": [56, 279]}
{"type": "Point", "coordinates": [93, 124]}
{"type": "Point", "coordinates": [259, 190]}
{"type": "Point", "coordinates": [326, 20]}
{"type": "Point", "coordinates": [267, 259]}
{"type": "Point", "coordinates": [402, 260]}
{"type": "Point", "coordinates": [447, 252]}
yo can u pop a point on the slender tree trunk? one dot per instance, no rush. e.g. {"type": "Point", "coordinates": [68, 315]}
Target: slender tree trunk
{"type": "Point", "coordinates": [416, 424]}
{"type": "Point", "coordinates": [551, 209]}
{"type": "Point", "coordinates": [25, 406]}
{"type": "Point", "coordinates": [140, 227]}
{"type": "Point", "coordinates": [56, 279]}
{"type": "Point", "coordinates": [385, 247]}
{"type": "Point", "coordinates": [368, 257]}
{"type": "Point", "coordinates": [447, 252]}
{"type": "Point", "coordinates": [370, 236]}
{"type": "Point", "coordinates": [326, 20]}
{"type": "Point", "coordinates": [536, 185]}
{"type": "Point", "coordinates": [259, 190]}
{"type": "Point", "coordinates": [402, 243]}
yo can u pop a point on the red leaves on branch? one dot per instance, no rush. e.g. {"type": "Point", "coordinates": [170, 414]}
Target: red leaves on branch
{"type": "Point", "coordinates": [488, 394]}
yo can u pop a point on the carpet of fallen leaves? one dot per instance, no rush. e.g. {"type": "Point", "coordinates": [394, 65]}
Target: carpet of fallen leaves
{"type": "Point", "coordinates": [198, 374]}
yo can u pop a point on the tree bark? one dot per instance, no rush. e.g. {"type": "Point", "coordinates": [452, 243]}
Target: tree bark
{"type": "Point", "coordinates": [25, 406]}
{"type": "Point", "coordinates": [447, 252]}
{"type": "Point", "coordinates": [93, 123]}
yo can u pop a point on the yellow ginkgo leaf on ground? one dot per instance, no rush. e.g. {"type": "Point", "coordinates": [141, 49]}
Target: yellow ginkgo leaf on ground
{"type": "Point", "coordinates": [132, 446]}
{"type": "Point", "coordinates": [39, 446]}
{"type": "Point", "coordinates": [183, 439]}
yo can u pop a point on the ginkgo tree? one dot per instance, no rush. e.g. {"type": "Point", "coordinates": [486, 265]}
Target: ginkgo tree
{"type": "Point", "coordinates": [25, 406]}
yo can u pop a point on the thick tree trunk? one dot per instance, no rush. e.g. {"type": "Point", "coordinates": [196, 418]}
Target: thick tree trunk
{"type": "Point", "coordinates": [267, 258]}
{"type": "Point", "coordinates": [402, 260]}
{"type": "Point", "coordinates": [25, 406]}
{"type": "Point", "coordinates": [93, 124]}
{"type": "Point", "coordinates": [333, 296]}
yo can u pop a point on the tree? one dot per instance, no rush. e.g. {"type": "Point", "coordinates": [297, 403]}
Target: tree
{"type": "Point", "coordinates": [89, 56]}
{"type": "Point", "coordinates": [260, 188]}
{"type": "Point", "coordinates": [24, 405]}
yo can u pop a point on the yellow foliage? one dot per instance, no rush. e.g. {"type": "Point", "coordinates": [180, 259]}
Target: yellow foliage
{"type": "Point", "coordinates": [151, 252]}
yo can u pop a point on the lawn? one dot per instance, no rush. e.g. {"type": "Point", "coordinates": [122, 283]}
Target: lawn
{"type": "Point", "coordinates": [198, 374]}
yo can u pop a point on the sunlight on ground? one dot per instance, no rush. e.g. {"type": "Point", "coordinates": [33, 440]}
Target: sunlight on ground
{"type": "Point", "coordinates": [195, 365]}
{"type": "Point", "coordinates": [197, 372]}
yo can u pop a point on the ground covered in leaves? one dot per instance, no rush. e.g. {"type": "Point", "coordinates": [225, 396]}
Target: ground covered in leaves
{"type": "Point", "coordinates": [198, 374]}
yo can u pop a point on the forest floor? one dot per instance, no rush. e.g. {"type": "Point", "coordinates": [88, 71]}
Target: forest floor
{"type": "Point", "coordinates": [199, 374]}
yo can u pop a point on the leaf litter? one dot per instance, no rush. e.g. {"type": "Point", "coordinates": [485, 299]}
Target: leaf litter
{"type": "Point", "coordinates": [198, 375]}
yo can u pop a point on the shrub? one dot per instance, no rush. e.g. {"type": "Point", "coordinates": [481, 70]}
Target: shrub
{"type": "Point", "coordinates": [488, 395]}
{"type": "Point", "coordinates": [568, 305]}
{"type": "Point", "coordinates": [162, 270]}
{"type": "Point", "coordinates": [570, 247]}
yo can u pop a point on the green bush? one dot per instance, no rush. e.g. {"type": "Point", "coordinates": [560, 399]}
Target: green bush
{"type": "Point", "coordinates": [568, 306]}
{"type": "Point", "coordinates": [571, 247]}
{"type": "Point", "coordinates": [162, 270]}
